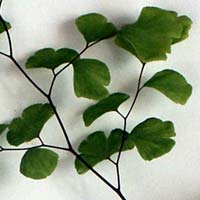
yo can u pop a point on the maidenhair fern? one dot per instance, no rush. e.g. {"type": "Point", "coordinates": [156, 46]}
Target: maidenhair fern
{"type": "Point", "coordinates": [149, 39]}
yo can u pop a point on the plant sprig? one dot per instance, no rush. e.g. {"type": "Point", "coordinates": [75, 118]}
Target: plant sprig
{"type": "Point", "coordinates": [149, 39]}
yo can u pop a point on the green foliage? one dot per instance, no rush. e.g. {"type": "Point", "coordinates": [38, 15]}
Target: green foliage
{"type": "Point", "coordinates": [96, 148]}
{"type": "Point", "coordinates": [154, 32]}
{"type": "Point", "coordinates": [90, 77]}
{"type": "Point", "coordinates": [153, 138]}
{"type": "Point", "coordinates": [29, 125]}
{"type": "Point", "coordinates": [171, 84]}
{"type": "Point", "coordinates": [2, 29]}
{"type": "Point", "coordinates": [95, 27]}
{"type": "Point", "coordinates": [50, 59]}
{"type": "Point", "coordinates": [149, 39]}
{"type": "Point", "coordinates": [38, 163]}
{"type": "Point", "coordinates": [110, 103]}
{"type": "Point", "coordinates": [3, 127]}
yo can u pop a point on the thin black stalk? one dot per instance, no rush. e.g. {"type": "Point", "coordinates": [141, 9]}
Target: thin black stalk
{"type": "Point", "coordinates": [55, 74]}
{"type": "Point", "coordinates": [55, 147]}
{"type": "Point", "coordinates": [28, 77]}
{"type": "Point", "coordinates": [52, 83]}
{"type": "Point", "coordinates": [20, 149]}
{"type": "Point", "coordinates": [87, 46]}
{"type": "Point", "coordinates": [70, 148]}
{"type": "Point", "coordinates": [4, 54]}
{"type": "Point", "coordinates": [121, 195]}
{"type": "Point", "coordinates": [112, 161]}
{"type": "Point", "coordinates": [33, 147]}
{"type": "Point", "coordinates": [40, 139]}
{"type": "Point", "coordinates": [8, 36]}
{"type": "Point", "coordinates": [60, 122]}
{"type": "Point", "coordinates": [117, 172]}
{"type": "Point", "coordinates": [121, 115]}
{"type": "Point", "coordinates": [118, 176]}
{"type": "Point", "coordinates": [119, 155]}
{"type": "Point", "coordinates": [78, 156]}
{"type": "Point", "coordinates": [73, 60]}
{"type": "Point", "coordinates": [137, 91]}
{"type": "Point", "coordinates": [10, 56]}
{"type": "Point", "coordinates": [116, 190]}
{"type": "Point", "coordinates": [125, 123]}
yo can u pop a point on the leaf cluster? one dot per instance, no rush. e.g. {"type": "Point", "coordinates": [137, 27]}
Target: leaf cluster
{"type": "Point", "coordinates": [149, 39]}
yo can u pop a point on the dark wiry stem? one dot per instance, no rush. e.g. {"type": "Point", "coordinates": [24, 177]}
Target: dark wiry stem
{"type": "Point", "coordinates": [125, 124]}
{"type": "Point", "coordinates": [28, 77]}
{"type": "Point", "coordinates": [19, 149]}
{"type": "Point", "coordinates": [8, 36]}
{"type": "Point", "coordinates": [10, 56]}
{"type": "Point", "coordinates": [52, 83]}
{"type": "Point", "coordinates": [55, 75]}
{"type": "Point", "coordinates": [112, 161]}
{"type": "Point", "coordinates": [48, 96]}
{"type": "Point", "coordinates": [137, 91]}
{"type": "Point", "coordinates": [87, 46]}
{"type": "Point", "coordinates": [40, 139]}
{"type": "Point", "coordinates": [33, 147]}
{"type": "Point", "coordinates": [60, 122]}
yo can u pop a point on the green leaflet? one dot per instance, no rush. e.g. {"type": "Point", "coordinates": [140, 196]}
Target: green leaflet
{"type": "Point", "coordinates": [171, 84]}
{"type": "Point", "coordinates": [110, 103]}
{"type": "Point", "coordinates": [50, 59]}
{"type": "Point", "coordinates": [29, 125]}
{"type": "Point", "coordinates": [2, 29]}
{"type": "Point", "coordinates": [90, 77]}
{"type": "Point", "coordinates": [38, 163]}
{"type": "Point", "coordinates": [150, 38]}
{"type": "Point", "coordinates": [96, 148]}
{"type": "Point", "coordinates": [152, 138]}
{"type": "Point", "coordinates": [3, 127]}
{"type": "Point", "coordinates": [95, 27]}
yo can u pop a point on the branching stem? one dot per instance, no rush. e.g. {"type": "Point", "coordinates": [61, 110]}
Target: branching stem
{"type": "Point", "coordinates": [11, 57]}
{"type": "Point", "coordinates": [55, 74]}
{"type": "Point", "coordinates": [125, 124]}
{"type": "Point", "coordinates": [112, 161]}
{"type": "Point", "coordinates": [33, 147]}
{"type": "Point", "coordinates": [137, 91]}
{"type": "Point", "coordinates": [48, 96]}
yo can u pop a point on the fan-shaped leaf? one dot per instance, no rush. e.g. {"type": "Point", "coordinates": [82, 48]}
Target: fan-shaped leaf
{"type": "Point", "coordinates": [94, 27]}
{"type": "Point", "coordinates": [90, 77]}
{"type": "Point", "coordinates": [28, 127]}
{"type": "Point", "coordinates": [110, 103]}
{"type": "Point", "coordinates": [38, 163]}
{"type": "Point", "coordinates": [151, 36]}
{"type": "Point", "coordinates": [49, 58]}
{"type": "Point", "coordinates": [153, 138]}
{"type": "Point", "coordinates": [171, 84]}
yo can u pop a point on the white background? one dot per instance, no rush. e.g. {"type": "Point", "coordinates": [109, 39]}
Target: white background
{"type": "Point", "coordinates": [50, 23]}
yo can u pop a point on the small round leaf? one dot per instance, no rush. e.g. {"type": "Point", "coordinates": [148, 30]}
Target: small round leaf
{"type": "Point", "coordinates": [38, 163]}
{"type": "Point", "coordinates": [94, 27]}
